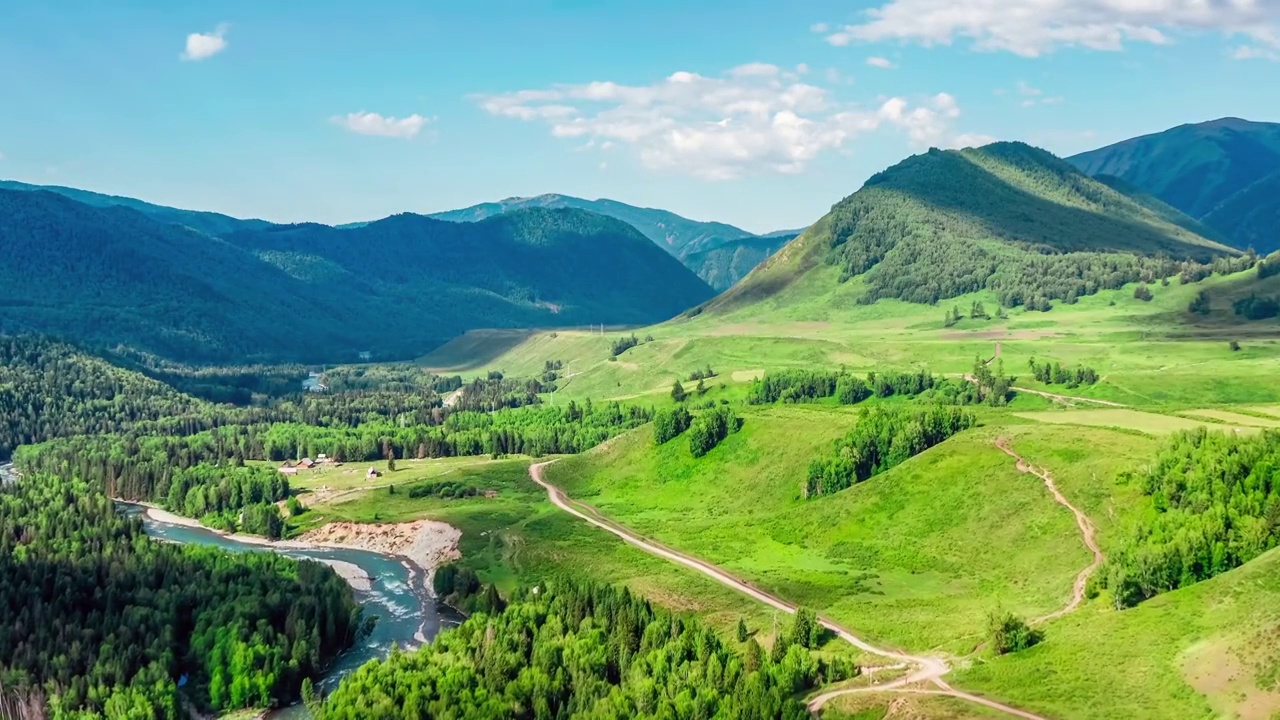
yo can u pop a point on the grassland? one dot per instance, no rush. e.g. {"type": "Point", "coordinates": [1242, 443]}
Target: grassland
{"type": "Point", "coordinates": [1150, 354]}
{"type": "Point", "coordinates": [909, 558]}
{"type": "Point", "coordinates": [918, 556]}
{"type": "Point", "coordinates": [1209, 650]}
{"type": "Point", "coordinates": [517, 536]}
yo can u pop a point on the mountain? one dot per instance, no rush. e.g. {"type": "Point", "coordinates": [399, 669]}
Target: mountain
{"type": "Point", "coordinates": [1200, 168]}
{"type": "Point", "coordinates": [1008, 217]}
{"type": "Point", "coordinates": [691, 241]}
{"type": "Point", "coordinates": [108, 275]}
{"type": "Point", "coordinates": [1251, 217]}
{"type": "Point", "coordinates": [206, 222]}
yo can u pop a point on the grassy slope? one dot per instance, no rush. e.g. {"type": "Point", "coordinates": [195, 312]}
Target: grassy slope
{"type": "Point", "coordinates": [1157, 660]}
{"type": "Point", "coordinates": [904, 557]}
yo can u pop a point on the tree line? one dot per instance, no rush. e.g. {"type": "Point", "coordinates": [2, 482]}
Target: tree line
{"type": "Point", "coordinates": [585, 650]}
{"type": "Point", "coordinates": [1216, 501]}
{"type": "Point", "coordinates": [99, 621]}
{"type": "Point", "coordinates": [1056, 374]}
{"type": "Point", "coordinates": [792, 386]}
{"type": "Point", "coordinates": [884, 437]}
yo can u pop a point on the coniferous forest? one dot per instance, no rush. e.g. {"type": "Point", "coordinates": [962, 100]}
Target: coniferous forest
{"type": "Point", "coordinates": [584, 650]}
{"type": "Point", "coordinates": [100, 621]}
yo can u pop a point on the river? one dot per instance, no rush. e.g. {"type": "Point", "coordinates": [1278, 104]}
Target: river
{"type": "Point", "coordinates": [407, 615]}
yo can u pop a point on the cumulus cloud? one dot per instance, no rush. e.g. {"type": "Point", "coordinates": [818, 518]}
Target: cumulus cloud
{"type": "Point", "coordinates": [1034, 27]}
{"type": "Point", "coordinates": [820, 27]}
{"type": "Point", "coordinates": [201, 46]}
{"type": "Point", "coordinates": [1033, 96]}
{"type": "Point", "coordinates": [369, 123]}
{"type": "Point", "coordinates": [965, 140]}
{"type": "Point", "coordinates": [753, 119]}
{"type": "Point", "coordinates": [882, 63]}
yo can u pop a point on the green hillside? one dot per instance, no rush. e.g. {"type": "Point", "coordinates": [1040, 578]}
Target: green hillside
{"type": "Point", "coordinates": [694, 242]}
{"type": "Point", "coordinates": [1194, 168]}
{"type": "Point", "coordinates": [1251, 217]}
{"type": "Point", "coordinates": [397, 287]}
{"type": "Point", "coordinates": [1007, 218]}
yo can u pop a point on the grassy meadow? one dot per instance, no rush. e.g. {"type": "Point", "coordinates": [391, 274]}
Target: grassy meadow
{"type": "Point", "coordinates": [917, 557]}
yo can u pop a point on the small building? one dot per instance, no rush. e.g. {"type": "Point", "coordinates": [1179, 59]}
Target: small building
{"type": "Point", "coordinates": [306, 464]}
{"type": "Point", "coordinates": [288, 469]}
{"type": "Point", "coordinates": [322, 459]}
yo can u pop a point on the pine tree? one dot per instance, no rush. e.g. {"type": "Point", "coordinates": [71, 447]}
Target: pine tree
{"type": "Point", "coordinates": [677, 392]}
{"type": "Point", "coordinates": [742, 630]}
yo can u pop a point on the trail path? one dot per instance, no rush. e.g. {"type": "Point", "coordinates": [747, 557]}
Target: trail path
{"type": "Point", "coordinates": [1088, 533]}
{"type": "Point", "coordinates": [1067, 399]}
{"type": "Point", "coordinates": [927, 669]}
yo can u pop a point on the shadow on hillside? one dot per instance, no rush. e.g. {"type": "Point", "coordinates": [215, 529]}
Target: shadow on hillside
{"type": "Point", "coordinates": [1012, 214]}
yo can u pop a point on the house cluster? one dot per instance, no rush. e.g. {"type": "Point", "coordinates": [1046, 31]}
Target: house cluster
{"type": "Point", "coordinates": [292, 468]}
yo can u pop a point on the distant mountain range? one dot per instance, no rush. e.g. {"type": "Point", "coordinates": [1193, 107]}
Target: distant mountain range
{"type": "Point", "coordinates": [720, 254]}
{"type": "Point", "coordinates": [204, 287]}
{"type": "Point", "coordinates": [1008, 218]}
{"type": "Point", "coordinates": [1223, 173]}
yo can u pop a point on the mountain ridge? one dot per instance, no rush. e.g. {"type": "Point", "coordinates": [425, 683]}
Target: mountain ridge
{"type": "Point", "coordinates": [693, 242]}
{"type": "Point", "coordinates": [1006, 217]}
{"type": "Point", "coordinates": [310, 292]}
{"type": "Point", "coordinates": [1200, 167]}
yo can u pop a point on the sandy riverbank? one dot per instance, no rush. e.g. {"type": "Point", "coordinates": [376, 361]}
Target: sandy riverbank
{"type": "Point", "coordinates": [427, 544]}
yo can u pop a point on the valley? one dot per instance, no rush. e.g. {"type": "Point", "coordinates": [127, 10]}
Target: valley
{"type": "Point", "coordinates": [995, 437]}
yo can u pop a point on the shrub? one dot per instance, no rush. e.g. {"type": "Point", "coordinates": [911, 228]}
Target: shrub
{"type": "Point", "coordinates": [1143, 293]}
{"type": "Point", "coordinates": [1008, 633]}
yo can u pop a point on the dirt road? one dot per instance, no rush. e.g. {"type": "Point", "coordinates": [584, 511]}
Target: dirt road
{"type": "Point", "coordinates": [1088, 533]}
{"type": "Point", "coordinates": [928, 669]}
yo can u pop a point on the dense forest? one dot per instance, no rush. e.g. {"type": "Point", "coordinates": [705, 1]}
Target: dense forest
{"type": "Point", "coordinates": [584, 650]}
{"type": "Point", "coordinates": [49, 389]}
{"type": "Point", "coordinates": [884, 437]}
{"type": "Point", "coordinates": [96, 620]}
{"type": "Point", "coordinates": [1216, 499]}
{"type": "Point", "coordinates": [116, 276]}
{"type": "Point", "coordinates": [204, 475]}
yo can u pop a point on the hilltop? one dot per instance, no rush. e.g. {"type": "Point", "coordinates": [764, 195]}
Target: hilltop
{"type": "Point", "coordinates": [1008, 218]}
{"type": "Point", "coordinates": [1217, 172]}
{"type": "Point", "coordinates": [211, 223]}
{"type": "Point", "coordinates": [107, 275]}
{"type": "Point", "coordinates": [720, 254]}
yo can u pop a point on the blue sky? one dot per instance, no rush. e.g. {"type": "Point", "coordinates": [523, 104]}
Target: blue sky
{"type": "Point", "coordinates": [760, 114]}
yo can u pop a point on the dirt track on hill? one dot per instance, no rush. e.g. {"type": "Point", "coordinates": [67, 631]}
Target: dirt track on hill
{"type": "Point", "coordinates": [928, 669]}
{"type": "Point", "coordinates": [1088, 533]}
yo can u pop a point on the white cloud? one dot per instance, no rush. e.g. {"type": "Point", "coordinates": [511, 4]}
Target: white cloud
{"type": "Point", "coordinates": [201, 46]}
{"type": "Point", "coordinates": [1252, 52]}
{"type": "Point", "coordinates": [965, 140]}
{"type": "Point", "coordinates": [819, 27]}
{"type": "Point", "coordinates": [882, 63]}
{"type": "Point", "coordinates": [1034, 27]}
{"type": "Point", "coordinates": [368, 123]}
{"type": "Point", "coordinates": [1032, 96]}
{"type": "Point", "coordinates": [751, 120]}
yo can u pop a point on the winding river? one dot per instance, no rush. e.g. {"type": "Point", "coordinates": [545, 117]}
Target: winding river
{"type": "Point", "coordinates": [407, 615]}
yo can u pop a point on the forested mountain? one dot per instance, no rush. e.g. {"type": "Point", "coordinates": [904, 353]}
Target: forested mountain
{"type": "Point", "coordinates": [1201, 168]}
{"type": "Point", "coordinates": [1007, 217]}
{"type": "Point", "coordinates": [1251, 217]}
{"type": "Point", "coordinates": [396, 287]}
{"type": "Point", "coordinates": [206, 222]}
{"type": "Point", "coordinates": [691, 241]}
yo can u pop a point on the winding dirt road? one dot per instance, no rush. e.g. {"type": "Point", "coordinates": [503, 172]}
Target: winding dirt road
{"type": "Point", "coordinates": [927, 669]}
{"type": "Point", "coordinates": [1088, 533]}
